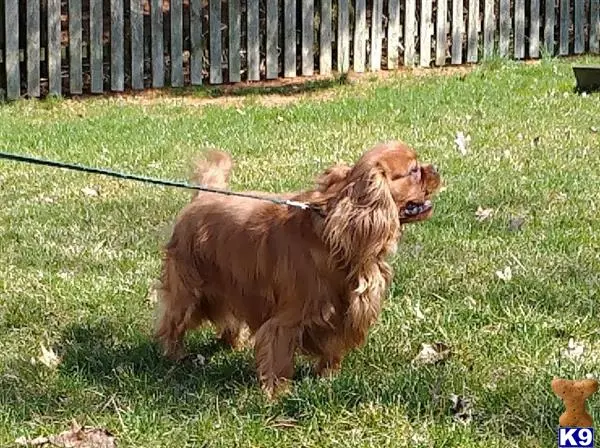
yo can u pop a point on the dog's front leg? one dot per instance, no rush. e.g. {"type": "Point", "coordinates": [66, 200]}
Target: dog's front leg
{"type": "Point", "coordinates": [275, 343]}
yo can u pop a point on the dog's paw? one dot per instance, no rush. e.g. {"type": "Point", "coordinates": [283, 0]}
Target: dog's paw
{"type": "Point", "coordinates": [276, 389]}
{"type": "Point", "coordinates": [327, 369]}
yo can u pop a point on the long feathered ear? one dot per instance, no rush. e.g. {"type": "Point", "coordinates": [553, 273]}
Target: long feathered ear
{"type": "Point", "coordinates": [362, 219]}
{"type": "Point", "coordinates": [361, 229]}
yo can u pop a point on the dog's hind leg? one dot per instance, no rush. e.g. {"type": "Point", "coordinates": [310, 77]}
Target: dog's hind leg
{"type": "Point", "coordinates": [180, 310]}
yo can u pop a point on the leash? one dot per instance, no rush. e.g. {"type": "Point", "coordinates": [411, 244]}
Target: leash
{"type": "Point", "coordinates": [149, 180]}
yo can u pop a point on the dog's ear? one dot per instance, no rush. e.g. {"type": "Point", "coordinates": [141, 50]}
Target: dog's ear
{"type": "Point", "coordinates": [361, 228]}
{"type": "Point", "coordinates": [363, 218]}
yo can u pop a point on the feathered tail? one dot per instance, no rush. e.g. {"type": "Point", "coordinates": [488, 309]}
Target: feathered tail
{"type": "Point", "coordinates": [213, 170]}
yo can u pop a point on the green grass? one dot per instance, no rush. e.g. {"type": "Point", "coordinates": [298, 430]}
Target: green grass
{"type": "Point", "coordinates": [75, 269]}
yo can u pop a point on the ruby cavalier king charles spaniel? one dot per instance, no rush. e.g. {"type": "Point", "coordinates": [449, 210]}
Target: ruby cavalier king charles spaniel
{"type": "Point", "coordinates": [308, 281]}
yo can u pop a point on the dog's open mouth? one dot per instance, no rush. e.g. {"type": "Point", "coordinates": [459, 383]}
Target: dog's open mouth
{"type": "Point", "coordinates": [416, 210]}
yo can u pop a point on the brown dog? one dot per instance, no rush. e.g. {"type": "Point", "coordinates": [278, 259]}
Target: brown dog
{"type": "Point", "coordinates": [300, 280]}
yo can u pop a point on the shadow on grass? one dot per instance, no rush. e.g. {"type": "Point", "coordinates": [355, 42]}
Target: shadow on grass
{"type": "Point", "coordinates": [102, 358]}
{"type": "Point", "coordinates": [93, 353]}
{"type": "Point", "coordinates": [281, 87]}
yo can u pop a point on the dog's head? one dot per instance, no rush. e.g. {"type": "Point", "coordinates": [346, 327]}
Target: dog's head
{"type": "Point", "coordinates": [366, 204]}
{"type": "Point", "coordinates": [410, 183]}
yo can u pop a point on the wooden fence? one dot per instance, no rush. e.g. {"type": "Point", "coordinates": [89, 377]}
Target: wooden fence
{"type": "Point", "coordinates": [80, 46]}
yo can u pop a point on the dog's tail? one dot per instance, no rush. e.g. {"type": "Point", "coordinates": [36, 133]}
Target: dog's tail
{"type": "Point", "coordinates": [213, 170]}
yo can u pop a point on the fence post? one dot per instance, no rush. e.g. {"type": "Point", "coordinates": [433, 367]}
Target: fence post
{"type": "Point", "coordinates": [33, 48]}
{"type": "Point", "coordinates": [13, 75]}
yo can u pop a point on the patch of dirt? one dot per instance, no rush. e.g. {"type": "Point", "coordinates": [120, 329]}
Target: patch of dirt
{"type": "Point", "coordinates": [273, 93]}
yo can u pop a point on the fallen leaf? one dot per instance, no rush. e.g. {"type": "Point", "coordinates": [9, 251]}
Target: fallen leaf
{"type": "Point", "coordinates": [594, 129]}
{"type": "Point", "coordinates": [462, 408]}
{"type": "Point", "coordinates": [152, 295]}
{"type": "Point", "coordinates": [199, 360]}
{"type": "Point", "coordinates": [418, 313]}
{"type": "Point", "coordinates": [462, 142]}
{"type": "Point", "coordinates": [574, 350]}
{"type": "Point", "coordinates": [76, 437]}
{"type": "Point", "coordinates": [505, 275]}
{"type": "Point", "coordinates": [46, 199]}
{"type": "Point", "coordinates": [88, 191]}
{"type": "Point", "coordinates": [483, 214]}
{"type": "Point", "coordinates": [48, 358]}
{"type": "Point", "coordinates": [432, 353]}
{"type": "Point", "coordinates": [516, 223]}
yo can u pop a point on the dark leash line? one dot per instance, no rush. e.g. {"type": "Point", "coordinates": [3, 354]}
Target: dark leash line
{"type": "Point", "coordinates": [148, 180]}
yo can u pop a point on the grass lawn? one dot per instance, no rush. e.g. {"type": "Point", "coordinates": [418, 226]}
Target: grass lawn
{"type": "Point", "coordinates": [79, 254]}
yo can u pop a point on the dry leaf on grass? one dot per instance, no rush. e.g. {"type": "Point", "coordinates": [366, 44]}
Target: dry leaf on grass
{"type": "Point", "coordinates": [48, 358]}
{"type": "Point", "coordinates": [574, 350]}
{"type": "Point", "coordinates": [505, 275]}
{"type": "Point", "coordinates": [483, 214]}
{"type": "Point", "coordinates": [432, 353]}
{"type": "Point", "coordinates": [152, 295]}
{"type": "Point", "coordinates": [76, 437]}
{"type": "Point", "coordinates": [462, 143]}
{"type": "Point", "coordinates": [516, 223]}
{"type": "Point", "coordinates": [88, 191]}
{"type": "Point", "coordinates": [462, 408]}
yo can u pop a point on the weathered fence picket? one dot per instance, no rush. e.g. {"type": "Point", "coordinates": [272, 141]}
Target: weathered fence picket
{"type": "Point", "coordinates": [216, 72]}
{"type": "Point", "coordinates": [343, 40]}
{"type": "Point", "coordinates": [54, 63]}
{"type": "Point", "coordinates": [33, 48]}
{"type": "Point", "coordinates": [11, 42]}
{"type": "Point", "coordinates": [325, 38]}
{"type": "Point", "coordinates": [473, 35]}
{"type": "Point", "coordinates": [505, 28]}
{"type": "Point", "coordinates": [196, 55]}
{"type": "Point", "coordinates": [234, 37]}
{"type": "Point", "coordinates": [308, 37]}
{"type": "Point", "coordinates": [565, 24]}
{"type": "Point", "coordinates": [534, 29]}
{"type": "Point", "coordinates": [425, 34]}
{"type": "Point", "coordinates": [158, 55]}
{"type": "Point", "coordinates": [519, 29]}
{"type": "Point", "coordinates": [410, 24]}
{"type": "Point", "coordinates": [441, 32]}
{"type": "Point", "coordinates": [360, 35]}
{"type": "Point", "coordinates": [580, 20]}
{"type": "Point", "coordinates": [58, 46]}
{"type": "Point", "coordinates": [595, 26]}
{"type": "Point", "coordinates": [117, 73]}
{"type": "Point", "coordinates": [489, 29]}
{"type": "Point", "coordinates": [457, 30]}
{"type": "Point", "coordinates": [272, 32]}
{"type": "Point", "coordinates": [96, 47]}
{"type": "Point", "coordinates": [289, 38]}
{"type": "Point", "coordinates": [137, 44]}
{"type": "Point", "coordinates": [393, 29]}
{"type": "Point", "coordinates": [376, 35]}
{"type": "Point", "coordinates": [549, 24]}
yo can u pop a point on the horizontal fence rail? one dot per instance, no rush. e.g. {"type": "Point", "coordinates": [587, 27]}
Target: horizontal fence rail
{"type": "Point", "coordinates": [93, 46]}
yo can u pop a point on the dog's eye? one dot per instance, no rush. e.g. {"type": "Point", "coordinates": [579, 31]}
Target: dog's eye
{"type": "Point", "coordinates": [414, 170]}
